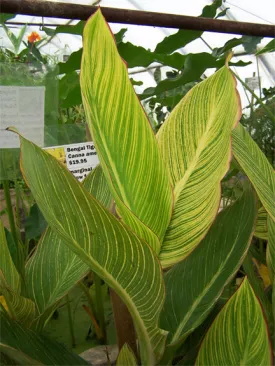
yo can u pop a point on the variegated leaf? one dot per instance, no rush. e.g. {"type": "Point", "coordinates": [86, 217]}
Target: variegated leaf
{"type": "Point", "coordinates": [261, 224]}
{"type": "Point", "coordinates": [108, 247]}
{"type": "Point", "coordinates": [238, 335]}
{"type": "Point", "coordinates": [270, 254]}
{"type": "Point", "coordinates": [126, 357]}
{"type": "Point", "coordinates": [7, 266]}
{"type": "Point", "coordinates": [195, 143]}
{"type": "Point", "coordinates": [96, 184]}
{"type": "Point", "coordinates": [29, 348]}
{"type": "Point", "coordinates": [54, 268]}
{"type": "Point", "coordinates": [256, 166]}
{"type": "Point", "coordinates": [194, 285]}
{"type": "Point", "coordinates": [123, 137]}
{"type": "Point", "coordinates": [19, 308]}
{"type": "Point", "coordinates": [52, 271]}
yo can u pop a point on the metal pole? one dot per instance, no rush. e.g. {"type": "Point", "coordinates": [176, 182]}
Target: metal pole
{"type": "Point", "coordinates": [125, 16]}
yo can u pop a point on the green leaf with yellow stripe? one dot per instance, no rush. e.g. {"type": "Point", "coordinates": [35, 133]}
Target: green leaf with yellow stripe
{"type": "Point", "coordinates": [261, 224]}
{"type": "Point", "coordinates": [270, 256]}
{"type": "Point", "coordinates": [124, 139]}
{"type": "Point", "coordinates": [29, 348]}
{"type": "Point", "coordinates": [256, 166]}
{"type": "Point", "coordinates": [126, 357]}
{"type": "Point", "coordinates": [238, 335]}
{"type": "Point", "coordinates": [52, 271]}
{"type": "Point", "coordinates": [96, 184]}
{"type": "Point", "coordinates": [54, 268]}
{"type": "Point", "coordinates": [125, 262]}
{"type": "Point", "coordinates": [196, 145]}
{"type": "Point", "coordinates": [7, 267]}
{"type": "Point", "coordinates": [194, 285]}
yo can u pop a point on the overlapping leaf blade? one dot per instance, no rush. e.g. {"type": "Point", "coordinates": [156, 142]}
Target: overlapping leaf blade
{"type": "Point", "coordinates": [238, 335]}
{"type": "Point", "coordinates": [54, 268]}
{"type": "Point", "coordinates": [194, 285]}
{"type": "Point", "coordinates": [256, 166]}
{"type": "Point", "coordinates": [195, 143]}
{"type": "Point", "coordinates": [126, 263]}
{"type": "Point", "coordinates": [124, 139]}
{"type": "Point", "coordinates": [29, 348]}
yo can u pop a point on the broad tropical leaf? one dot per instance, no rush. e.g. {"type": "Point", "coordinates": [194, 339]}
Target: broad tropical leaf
{"type": "Point", "coordinates": [194, 285]}
{"type": "Point", "coordinates": [238, 335]}
{"type": "Point", "coordinates": [54, 268]}
{"type": "Point", "coordinates": [20, 308]}
{"type": "Point", "coordinates": [29, 348]}
{"type": "Point", "coordinates": [256, 166]}
{"type": "Point", "coordinates": [195, 143]}
{"type": "Point", "coordinates": [7, 267]}
{"type": "Point", "coordinates": [108, 247]}
{"type": "Point", "coordinates": [271, 251]}
{"type": "Point", "coordinates": [126, 357]}
{"type": "Point", "coordinates": [96, 184]}
{"type": "Point", "coordinates": [261, 224]}
{"type": "Point", "coordinates": [123, 137]}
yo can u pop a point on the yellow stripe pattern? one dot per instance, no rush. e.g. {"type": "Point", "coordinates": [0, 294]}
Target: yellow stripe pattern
{"type": "Point", "coordinates": [126, 263]}
{"type": "Point", "coordinates": [238, 335]}
{"type": "Point", "coordinates": [194, 285]}
{"type": "Point", "coordinates": [126, 357]}
{"type": "Point", "coordinates": [195, 143]}
{"type": "Point", "coordinates": [261, 224]}
{"type": "Point", "coordinates": [124, 139]}
{"type": "Point", "coordinates": [256, 166]}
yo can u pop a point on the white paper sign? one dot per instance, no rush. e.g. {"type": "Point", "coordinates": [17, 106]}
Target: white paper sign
{"type": "Point", "coordinates": [21, 107]}
{"type": "Point", "coordinates": [80, 158]}
{"type": "Point", "coordinates": [253, 82]}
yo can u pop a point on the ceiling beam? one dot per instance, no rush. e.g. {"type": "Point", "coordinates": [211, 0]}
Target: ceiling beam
{"type": "Point", "coordinates": [124, 16]}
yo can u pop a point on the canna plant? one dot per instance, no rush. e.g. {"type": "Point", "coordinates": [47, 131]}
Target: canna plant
{"type": "Point", "coordinates": [146, 220]}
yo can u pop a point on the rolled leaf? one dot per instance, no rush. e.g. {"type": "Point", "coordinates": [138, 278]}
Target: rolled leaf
{"type": "Point", "coordinates": [29, 348]}
{"type": "Point", "coordinates": [194, 285]}
{"type": "Point", "coordinates": [195, 143]}
{"type": "Point", "coordinates": [261, 225]}
{"type": "Point", "coordinates": [7, 267]}
{"type": "Point", "coordinates": [126, 357]}
{"type": "Point", "coordinates": [123, 137]}
{"type": "Point", "coordinates": [108, 247]}
{"type": "Point", "coordinates": [238, 335]}
{"type": "Point", "coordinates": [256, 166]}
{"type": "Point", "coordinates": [96, 184]}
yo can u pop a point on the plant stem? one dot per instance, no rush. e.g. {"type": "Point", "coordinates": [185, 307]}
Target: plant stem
{"type": "Point", "coordinates": [268, 111]}
{"type": "Point", "coordinates": [91, 311]}
{"type": "Point", "coordinates": [258, 288]}
{"type": "Point", "coordinates": [125, 330]}
{"type": "Point", "coordinates": [10, 211]}
{"type": "Point", "coordinates": [99, 305]}
{"type": "Point", "coordinates": [70, 317]}
{"type": "Point", "coordinates": [168, 355]}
